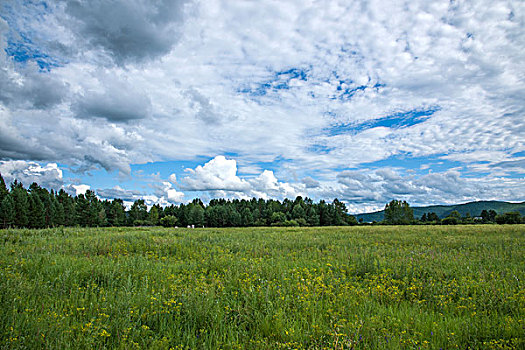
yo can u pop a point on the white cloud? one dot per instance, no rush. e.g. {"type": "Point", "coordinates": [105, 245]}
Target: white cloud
{"type": "Point", "coordinates": [365, 188]}
{"type": "Point", "coordinates": [217, 174]}
{"type": "Point", "coordinates": [80, 189]}
{"type": "Point", "coordinates": [120, 193]}
{"type": "Point", "coordinates": [172, 195]}
{"type": "Point", "coordinates": [309, 182]}
{"type": "Point", "coordinates": [173, 178]}
{"type": "Point", "coordinates": [49, 175]}
{"type": "Point", "coordinates": [114, 99]}
{"type": "Point", "coordinates": [163, 194]}
{"type": "Point", "coordinates": [266, 186]}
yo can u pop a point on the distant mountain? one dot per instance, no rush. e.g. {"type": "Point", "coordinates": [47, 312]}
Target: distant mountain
{"type": "Point", "coordinates": [473, 208]}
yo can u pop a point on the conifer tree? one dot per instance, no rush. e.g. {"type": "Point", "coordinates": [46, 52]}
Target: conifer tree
{"type": "Point", "coordinates": [68, 206]}
{"type": "Point", "coordinates": [119, 212]}
{"type": "Point", "coordinates": [138, 213]}
{"type": "Point", "coordinates": [153, 215]}
{"type": "Point", "coordinates": [195, 214]}
{"type": "Point", "coordinates": [59, 212]}
{"type": "Point", "coordinates": [36, 217]}
{"type": "Point", "coordinates": [82, 212]}
{"type": "Point", "coordinates": [246, 217]}
{"type": "Point", "coordinates": [21, 204]}
{"type": "Point", "coordinates": [398, 213]}
{"type": "Point", "coordinates": [3, 189]}
{"type": "Point", "coordinates": [7, 211]}
{"type": "Point", "coordinates": [101, 220]}
{"type": "Point", "coordinates": [49, 209]}
{"type": "Point", "coordinates": [312, 218]}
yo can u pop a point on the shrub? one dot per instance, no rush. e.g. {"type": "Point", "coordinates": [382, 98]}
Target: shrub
{"type": "Point", "coordinates": [301, 222]}
{"type": "Point", "coordinates": [168, 221]}
{"type": "Point", "coordinates": [450, 220]}
{"type": "Point", "coordinates": [141, 223]}
{"type": "Point", "coordinates": [509, 218]}
{"type": "Point", "coordinates": [286, 223]}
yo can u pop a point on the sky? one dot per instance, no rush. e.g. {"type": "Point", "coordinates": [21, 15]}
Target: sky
{"type": "Point", "coordinates": [169, 100]}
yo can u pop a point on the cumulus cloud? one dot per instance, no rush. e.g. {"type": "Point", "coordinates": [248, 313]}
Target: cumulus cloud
{"type": "Point", "coordinates": [217, 174]}
{"type": "Point", "coordinates": [368, 188]}
{"type": "Point", "coordinates": [166, 192]}
{"type": "Point", "coordinates": [162, 193]}
{"type": "Point", "coordinates": [116, 101]}
{"type": "Point", "coordinates": [310, 182]}
{"type": "Point", "coordinates": [28, 88]}
{"type": "Point", "coordinates": [204, 110]}
{"type": "Point", "coordinates": [119, 192]}
{"type": "Point", "coordinates": [80, 144]}
{"type": "Point", "coordinates": [15, 146]}
{"type": "Point", "coordinates": [172, 195]}
{"type": "Point", "coordinates": [266, 185]}
{"type": "Point", "coordinates": [49, 175]}
{"type": "Point", "coordinates": [80, 189]}
{"type": "Point", "coordinates": [126, 30]}
{"type": "Point", "coordinates": [25, 87]}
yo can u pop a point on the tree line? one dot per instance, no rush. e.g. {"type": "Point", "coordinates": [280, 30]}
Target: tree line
{"type": "Point", "coordinates": [399, 213]}
{"type": "Point", "coordinates": [38, 207]}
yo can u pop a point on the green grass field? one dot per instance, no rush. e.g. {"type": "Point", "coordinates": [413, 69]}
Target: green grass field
{"type": "Point", "coordinates": [264, 288]}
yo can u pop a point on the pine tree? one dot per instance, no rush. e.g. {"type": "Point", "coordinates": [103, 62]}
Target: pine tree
{"type": "Point", "coordinates": [21, 204]}
{"type": "Point", "coordinates": [246, 217]}
{"type": "Point", "coordinates": [49, 209]}
{"type": "Point", "coordinates": [7, 211]}
{"type": "Point", "coordinates": [67, 208]}
{"type": "Point", "coordinates": [339, 213]}
{"type": "Point", "coordinates": [153, 215]}
{"type": "Point", "coordinates": [81, 210]}
{"type": "Point", "coordinates": [312, 218]}
{"type": "Point", "coordinates": [211, 216]}
{"type": "Point", "coordinates": [119, 212]}
{"type": "Point", "coordinates": [101, 215]}
{"type": "Point", "coordinates": [138, 213]}
{"type": "Point", "coordinates": [196, 215]}
{"type": "Point", "coordinates": [36, 212]}
{"type": "Point", "coordinates": [3, 189]}
{"type": "Point", "coordinates": [59, 210]}
{"type": "Point", "coordinates": [298, 212]}
{"type": "Point", "coordinates": [181, 214]}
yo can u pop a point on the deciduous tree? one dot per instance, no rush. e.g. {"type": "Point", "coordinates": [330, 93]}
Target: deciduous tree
{"type": "Point", "coordinates": [398, 213]}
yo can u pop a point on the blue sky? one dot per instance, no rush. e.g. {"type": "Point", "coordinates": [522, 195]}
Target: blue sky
{"type": "Point", "coordinates": [365, 101]}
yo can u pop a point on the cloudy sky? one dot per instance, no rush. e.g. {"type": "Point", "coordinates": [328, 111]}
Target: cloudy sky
{"type": "Point", "coordinates": [365, 100]}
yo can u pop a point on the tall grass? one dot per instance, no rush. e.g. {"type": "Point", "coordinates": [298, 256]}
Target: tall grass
{"type": "Point", "coordinates": [354, 287]}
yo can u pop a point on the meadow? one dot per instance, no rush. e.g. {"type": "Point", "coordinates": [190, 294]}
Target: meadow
{"type": "Point", "coordinates": [394, 287]}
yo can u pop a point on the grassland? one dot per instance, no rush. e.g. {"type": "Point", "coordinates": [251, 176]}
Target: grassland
{"type": "Point", "coordinates": [263, 288]}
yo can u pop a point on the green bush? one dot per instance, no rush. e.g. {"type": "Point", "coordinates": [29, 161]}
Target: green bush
{"type": "Point", "coordinates": [451, 220]}
{"type": "Point", "coordinates": [509, 218]}
{"type": "Point", "coordinates": [168, 221]}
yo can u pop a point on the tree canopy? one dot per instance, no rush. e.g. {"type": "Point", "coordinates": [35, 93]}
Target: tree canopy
{"type": "Point", "coordinates": [398, 213]}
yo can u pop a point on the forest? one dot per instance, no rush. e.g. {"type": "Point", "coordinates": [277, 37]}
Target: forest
{"type": "Point", "coordinates": [38, 207]}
